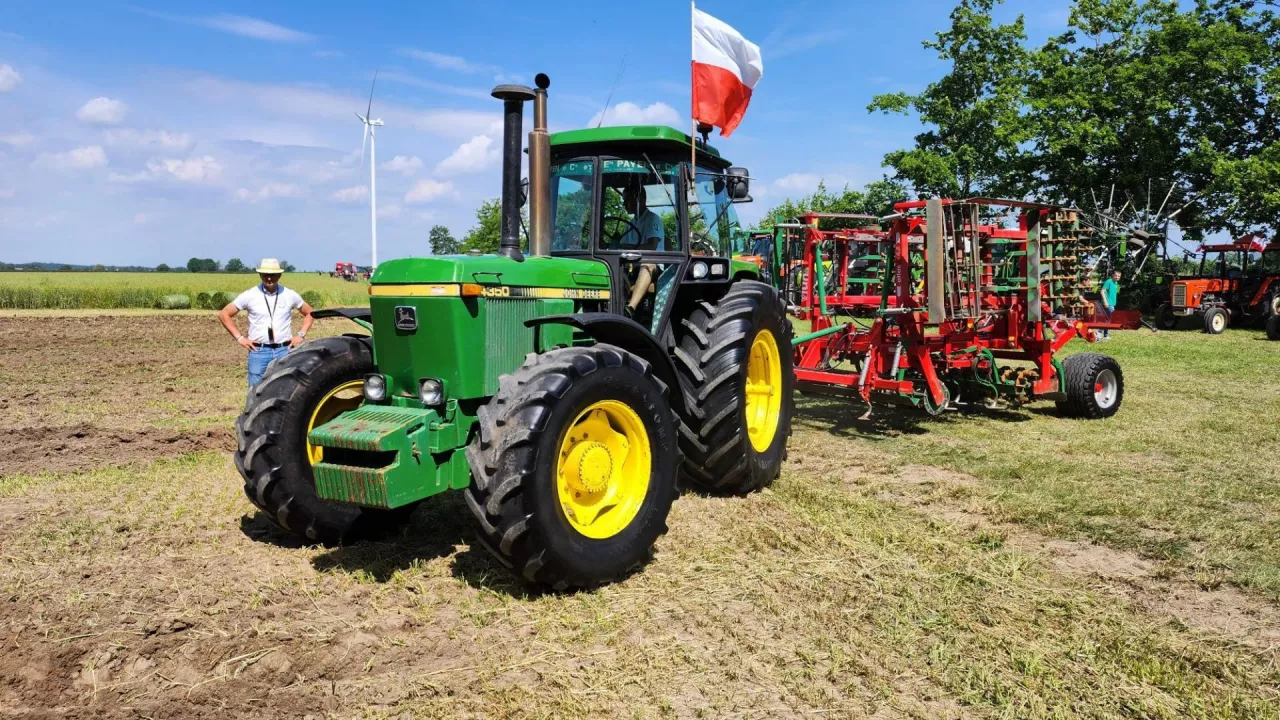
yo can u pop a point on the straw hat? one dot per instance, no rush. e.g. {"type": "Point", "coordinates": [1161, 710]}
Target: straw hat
{"type": "Point", "coordinates": [270, 266]}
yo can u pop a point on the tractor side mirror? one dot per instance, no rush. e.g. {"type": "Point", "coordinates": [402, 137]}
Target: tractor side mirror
{"type": "Point", "coordinates": [739, 183]}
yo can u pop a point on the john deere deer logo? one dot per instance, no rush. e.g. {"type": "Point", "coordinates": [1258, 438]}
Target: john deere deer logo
{"type": "Point", "coordinates": [406, 318]}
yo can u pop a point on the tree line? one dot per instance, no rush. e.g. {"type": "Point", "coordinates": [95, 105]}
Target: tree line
{"type": "Point", "coordinates": [1156, 98]}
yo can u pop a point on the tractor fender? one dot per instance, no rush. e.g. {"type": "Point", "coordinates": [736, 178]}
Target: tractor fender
{"type": "Point", "coordinates": [624, 333]}
{"type": "Point", "coordinates": [361, 316]}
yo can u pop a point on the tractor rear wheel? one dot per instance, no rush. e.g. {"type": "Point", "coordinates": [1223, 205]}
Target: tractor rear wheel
{"type": "Point", "coordinates": [574, 470]}
{"type": "Point", "coordinates": [1094, 385]}
{"type": "Point", "coordinates": [734, 363]}
{"type": "Point", "coordinates": [1165, 319]}
{"type": "Point", "coordinates": [303, 390]}
{"type": "Point", "coordinates": [1273, 327]}
{"type": "Point", "coordinates": [1215, 321]}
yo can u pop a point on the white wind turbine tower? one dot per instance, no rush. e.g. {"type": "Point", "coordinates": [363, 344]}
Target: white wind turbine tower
{"type": "Point", "coordinates": [370, 136]}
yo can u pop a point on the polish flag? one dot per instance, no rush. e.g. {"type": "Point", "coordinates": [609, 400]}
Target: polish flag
{"type": "Point", "coordinates": [726, 66]}
{"type": "Point", "coordinates": [1257, 242]}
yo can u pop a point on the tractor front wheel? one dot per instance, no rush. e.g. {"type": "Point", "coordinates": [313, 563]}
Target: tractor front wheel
{"type": "Point", "coordinates": [734, 362]}
{"type": "Point", "coordinates": [1215, 320]}
{"type": "Point", "coordinates": [1273, 327]}
{"type": "Point", "coordinates": [574, 470]}
{"type": "Point", "coordinates": [303, 390]}
{"type": "Point", "coordinates": [1165, 319]}
{"type": "Point", "coordinates": [1094, 385]}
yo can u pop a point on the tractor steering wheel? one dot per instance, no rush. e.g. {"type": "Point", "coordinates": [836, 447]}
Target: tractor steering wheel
{"type": "Point", "coordinates": [614, 241]}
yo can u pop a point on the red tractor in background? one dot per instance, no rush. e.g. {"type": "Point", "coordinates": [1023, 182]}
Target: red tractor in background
{"type": "Point", "coordinates": [1231, 288]}
{"type": "Point", "coordinates": [345, 270]}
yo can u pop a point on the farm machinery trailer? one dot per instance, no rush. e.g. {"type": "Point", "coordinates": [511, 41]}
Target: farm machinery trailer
{"type": "Point", "coordinates": [562, 390]}
{"type": "Point", "coordinates": [971, 308]}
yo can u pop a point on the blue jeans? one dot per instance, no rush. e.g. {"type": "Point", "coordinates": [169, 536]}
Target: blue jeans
{"type": "Point", "coordinates": [259, 360]}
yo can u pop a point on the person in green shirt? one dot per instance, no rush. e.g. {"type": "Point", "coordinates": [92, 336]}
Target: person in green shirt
{"type": "Point", "coordinates": [1110, 289]}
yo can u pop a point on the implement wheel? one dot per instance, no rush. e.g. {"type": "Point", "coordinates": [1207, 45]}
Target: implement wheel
{"type": "Point", "coordinates": [734, 362]}
{"type": "Point", "coordinates": [1165, 319]}
{"type": "Point", "coordinates": [574, 470]}
{"type": "Point", "coordinates": [1215, 321]}
{"type": "Point", "coordinates": [303, 390]}
{"type": "Point", "coordinates": [1095, 386]}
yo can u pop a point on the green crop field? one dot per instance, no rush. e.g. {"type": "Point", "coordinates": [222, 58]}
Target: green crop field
{"type": "Point", "coordinates": [112, 290]}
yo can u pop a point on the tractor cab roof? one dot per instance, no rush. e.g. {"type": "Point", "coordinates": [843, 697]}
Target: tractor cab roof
{"type": "Point", "coordinates": [658, 137]}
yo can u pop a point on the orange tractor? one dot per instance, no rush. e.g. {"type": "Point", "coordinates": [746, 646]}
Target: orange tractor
{"type": "Point", "coordinates": [1238, 283]}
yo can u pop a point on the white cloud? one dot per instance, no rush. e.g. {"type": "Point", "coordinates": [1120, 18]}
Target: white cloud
{"type": "Point", "coordinates": [448, 62]}
{"type": "Point", "coordinates": [141, 219]}
{"type": "Point", "coordinates": [355, 194]}
{"type": "Point", "coordinates": [82, 158]}
{"type": "Point", "coordinates": [148, 138]}
{"type": "Point", "coordinates": [102, 111]}
{"type": "Point", "coordinates": [389, 211]}
{"type": "Point", "coordinates": [269, 191]}
{"type": "Point", "coordinates": [427, 190]}
{"type": "Point", "coordinates": [628, 113]}
{"type": "Point", "coordinates": [192, 169]}
{"type": "Point", "coordinates": [803, 183]}
{"type": "Point", "coordinates": [241, 25]}
{"type": "Point", "coordinates": [474, 155]}
{"type": "Point", "coordinates": [328, 54]}
{"type": "Point", "coordinates": [21, 139]}
{"type": "Point", "coordinates": [402, 164]}
{"type": "Point", "coordinates": [9, 78]}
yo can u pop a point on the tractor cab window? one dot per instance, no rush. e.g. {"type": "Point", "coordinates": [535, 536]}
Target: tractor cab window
{"type": "Point", "coordinates": [713, 223]}
{"type": "Point", "coordinates": [639, 205]}
{"type": "Point", "coordinates": [571, 184]}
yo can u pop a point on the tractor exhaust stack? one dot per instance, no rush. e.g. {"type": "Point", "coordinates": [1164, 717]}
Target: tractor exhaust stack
{"type": "Point", "coordinates": [513, 98]}
{"type": "Point", "coordinates": [540, 172]}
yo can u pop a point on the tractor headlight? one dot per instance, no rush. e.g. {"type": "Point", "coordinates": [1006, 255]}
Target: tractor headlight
{"type": "Point", "coordinates": [700, 270]}
{"type": "Point", "coordinates": [431, 392]}
{"type": "Point", "coordinates": [375, 388]}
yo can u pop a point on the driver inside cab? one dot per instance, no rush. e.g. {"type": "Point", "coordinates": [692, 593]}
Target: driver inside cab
{"type": "Point", "coordinates": [650, 236]}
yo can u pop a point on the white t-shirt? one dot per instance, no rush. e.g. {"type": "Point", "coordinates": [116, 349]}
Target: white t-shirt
{"type": "Point", "coordinates": [650, 225]}
{"type": "Point", "coordinates": [275, 311]}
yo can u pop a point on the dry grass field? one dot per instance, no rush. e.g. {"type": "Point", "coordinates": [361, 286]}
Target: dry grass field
{"type": "Point", "coordinates": [978, 565]}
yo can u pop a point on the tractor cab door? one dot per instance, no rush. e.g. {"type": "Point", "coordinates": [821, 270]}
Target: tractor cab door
{"type": "Point", "coordinates": [640, 235]}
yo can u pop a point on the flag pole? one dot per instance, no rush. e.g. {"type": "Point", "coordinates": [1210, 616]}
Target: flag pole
{"type": "Point", "coordinates": [693, 113]}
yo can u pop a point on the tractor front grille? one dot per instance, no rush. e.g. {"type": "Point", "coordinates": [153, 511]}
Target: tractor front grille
{"type": "Point", "coordinates": [507, 337]}
{"type": "Point", "coordinates": [1180, 295]}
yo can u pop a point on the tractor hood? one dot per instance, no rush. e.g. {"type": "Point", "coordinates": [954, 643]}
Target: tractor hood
{"type": "Point", "coordinates": [550, 272]}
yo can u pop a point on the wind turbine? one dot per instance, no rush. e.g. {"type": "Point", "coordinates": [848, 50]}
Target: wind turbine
{"type": "Point", "coordinates": [371, 138]}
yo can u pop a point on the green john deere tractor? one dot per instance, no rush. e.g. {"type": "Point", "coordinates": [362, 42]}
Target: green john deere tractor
{"type": "Point", "coordinates": [561, 390]}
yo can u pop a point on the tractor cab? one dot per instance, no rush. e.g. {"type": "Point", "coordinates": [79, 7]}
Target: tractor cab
{"type": "Point", "coordinates": [1237, 282]}
{"type": "Point", "coordinates": [628, 197]}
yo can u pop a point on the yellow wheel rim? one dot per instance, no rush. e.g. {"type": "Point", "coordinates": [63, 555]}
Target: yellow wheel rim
{"type": "Point", "coordinates": [764, 390]}
{"type": "Point", "coordinates": [603, 468]}
{"type": "Point", "coordinates": [346, 396]}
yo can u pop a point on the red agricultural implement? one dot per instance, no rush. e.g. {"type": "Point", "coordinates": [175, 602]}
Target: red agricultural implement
{"type": "Point", "coordinates": [842, 272]}
{"type": "Point", "coordinates": [978, 297]}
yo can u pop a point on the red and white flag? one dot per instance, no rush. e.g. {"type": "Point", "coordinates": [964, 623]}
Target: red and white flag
{"type": "Point", "coordinates": [726, 67]}
{"type": "Point", "coordinates": [1257, 242]}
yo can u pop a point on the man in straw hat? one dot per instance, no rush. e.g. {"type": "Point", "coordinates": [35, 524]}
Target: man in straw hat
{"type": "Point", "coordinates": [270, 306]}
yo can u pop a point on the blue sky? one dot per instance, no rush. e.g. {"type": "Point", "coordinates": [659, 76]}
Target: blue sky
{"type": "Point", "coordinates": [152, 132]}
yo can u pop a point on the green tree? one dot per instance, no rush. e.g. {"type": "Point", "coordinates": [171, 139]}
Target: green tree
{"type": "Point", "coordinates": [162, 268]}
{"type": "Point", "coordinates": [976, 130]}
{"type": "Point", "coordinates": [487, 232]}
{"type": "Point", "coordinates": [287, 266]}
{"type": "Point", "coordinates": [195, 265]}
{"type": "Point", "coordinates": [877, 198]}
{"type": "Point", "coordinates": [98, 268]}
{"type": "Point", "coordinates": [235, 265]}
{"type": "Point", "coordinates": [65, 268]}
{"type": "Point", "coordinates": [443, 242]}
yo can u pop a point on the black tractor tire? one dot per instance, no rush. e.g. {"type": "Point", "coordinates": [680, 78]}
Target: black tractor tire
{"type": "Point", "coordinates": [715, 343]}
{"type": "Point", "coordinates": [1216, 320]}
{"type": "Point", "coordinates": [271, 433]}
{"type": "Point", "coordinates": [515, 465]}
{"type": "Point", "coordinates": [1165, 319]}
{"type": "Point", "coordinates": [1273, 327]}
{"type": "Point", "coordinates": [1095, 386]}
